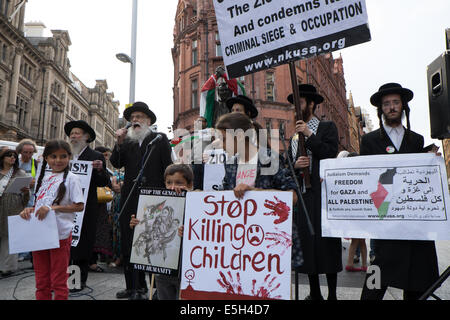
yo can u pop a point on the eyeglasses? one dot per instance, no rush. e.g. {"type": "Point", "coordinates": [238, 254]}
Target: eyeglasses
{"type": "Point", "coordinates": [11, 155]}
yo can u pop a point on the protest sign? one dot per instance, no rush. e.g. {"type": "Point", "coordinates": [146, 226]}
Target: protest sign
{"type": "Point", "coordinates": [214, 169]}
{"type": "Point", "coordinates": [83, 170]}
{"type": "Point", "coordinates": [261, 34]}
{"type": "Point", "coordinates": [237, 249]}
{"type": "Point", "coordinates": [156, 244]}
{"type": "Point", "coordinates": [33, 234]}
{"type": "Point", "coordinates": [403, 196]}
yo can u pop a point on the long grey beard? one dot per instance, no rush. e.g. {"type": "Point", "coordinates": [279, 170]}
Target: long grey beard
{"type": "Point", "coordinates": [140, 134]}
{"type": "Point", "coordinates": [77, 147]}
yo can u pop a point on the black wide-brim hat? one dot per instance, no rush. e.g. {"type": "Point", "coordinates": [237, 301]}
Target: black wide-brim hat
{"type": "Point", "coordinates": [82, 125]}
{"type": "Point", "coordinates": [142, 107]}
{"type": "Point", "coordinates": [249, 107]}
{"type": "Point", "coordinates": [391, 88]}
{"type": "Point", "coordinates": [307, 91]}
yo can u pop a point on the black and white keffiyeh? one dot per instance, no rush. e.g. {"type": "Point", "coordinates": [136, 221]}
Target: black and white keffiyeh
{"type": "Point", "coordinates": [313, 125]}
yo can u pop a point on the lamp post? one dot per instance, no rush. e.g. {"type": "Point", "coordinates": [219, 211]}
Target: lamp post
{"type": "Point", "coordinates": [131, 60]}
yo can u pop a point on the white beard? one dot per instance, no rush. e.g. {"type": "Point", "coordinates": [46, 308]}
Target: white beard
{"type": "Point", "coordinates": [140, 134]}
{"type": "Point", "coordinates": [77, 146]}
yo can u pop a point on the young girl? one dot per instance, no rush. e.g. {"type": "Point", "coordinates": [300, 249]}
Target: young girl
{"type": "Point", "coordinates": [246, 172]}
{"type": "Point", "coordinates": [58, 190]}
{"type": "Point", "coordinates": [177, 177]}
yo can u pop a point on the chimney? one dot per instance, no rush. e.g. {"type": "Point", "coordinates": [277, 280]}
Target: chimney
{"type": "Point", "coordinates": [34, 29]}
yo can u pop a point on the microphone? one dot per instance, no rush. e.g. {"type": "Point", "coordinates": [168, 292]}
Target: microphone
{"type": "Point", "coordinates": [128, 125]}
{"type": "Point", "coordinates": [155, 139]}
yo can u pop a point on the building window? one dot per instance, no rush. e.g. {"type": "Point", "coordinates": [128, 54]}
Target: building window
{"type": "Point", "coordinates": [83, 117]}
{"type": "Point", "coordinates": [194, 53]}
{"type": "Point", "coordinates": [270, 86]}
{"type": "Point", "coordinates": [4, 52]}
{"type": "Point", "coordinates": [194, 93]}
{"type": "Point", "coordinates": [54, 123]}
{"type": "Point", "coordinates": [218, 46]}
{"type": "Point", "coordinates": [74, 111]}
{"type": "Point", "coordinates": [22, 111]}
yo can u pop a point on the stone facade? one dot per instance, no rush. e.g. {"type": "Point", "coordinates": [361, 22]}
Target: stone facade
{"type": "Point", "coordinates": [38, 91]}
{"type": "Point", "coordinates": [197, 53]}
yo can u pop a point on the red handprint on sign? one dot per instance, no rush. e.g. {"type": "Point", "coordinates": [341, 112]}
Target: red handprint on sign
{"type": "Point", "coordinates": [266, 289]}
{"type": "Point", "coordinates": [229, 284]}
{"type": "Point", "coordinates": [278, 208]}
{"type": "Point", "coordinates": [279, 238]}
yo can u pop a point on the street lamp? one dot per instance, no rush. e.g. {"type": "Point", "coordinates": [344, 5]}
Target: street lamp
{"type": "Point", "coordinates": [131, 60]}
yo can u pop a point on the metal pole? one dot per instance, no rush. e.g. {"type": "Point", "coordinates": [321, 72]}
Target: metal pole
{"type": "Point", "coordinates": [133, 52]}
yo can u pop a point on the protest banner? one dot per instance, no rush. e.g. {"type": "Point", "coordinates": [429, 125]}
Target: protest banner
{"type": "Point", "coordinates": [261, 34]}
{"type": "Point", "coordinates": [156, 244]}
{"type": "Point", "coordinates": [403, 196]}
{"type": "Point", "coordinates": [83, 170]}
{"type": "Point", "coordinates": [237, 248]}
{"type": "Point", "coordinates": [33, 234]}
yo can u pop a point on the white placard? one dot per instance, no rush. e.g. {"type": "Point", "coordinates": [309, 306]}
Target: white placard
{"type": "Point", "coordinates": [261, 34]}
{"type": "Point", "coordinates": [402, 196]}
{"type": "Point", "coordinates": [237, 249]}
{"type": "Point", "coordinates": [33, 234]}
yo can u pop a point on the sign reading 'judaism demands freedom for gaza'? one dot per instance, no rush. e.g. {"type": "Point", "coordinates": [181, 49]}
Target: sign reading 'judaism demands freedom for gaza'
{"type": "Point", "coordinates": [261, 34]}
{"type": "Point", "coordinates": [402, 196]}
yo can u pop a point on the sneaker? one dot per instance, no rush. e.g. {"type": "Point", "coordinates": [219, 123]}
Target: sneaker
{"type": "Point", "coordinates": [352, 269]}
{"type": "Point", "coordinates": [355, 259]}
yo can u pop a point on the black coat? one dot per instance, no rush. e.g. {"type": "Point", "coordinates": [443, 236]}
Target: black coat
{"type": "Point", "coordinates": [404, 264]}
{"type": "Point", "coordinates": [131, 156]}
{"type": "Point", "coordinates": [89, 226]}
{"type": "Point", "coordinates": [320, 254]}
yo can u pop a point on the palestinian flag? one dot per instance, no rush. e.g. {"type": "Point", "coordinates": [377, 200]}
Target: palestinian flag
{"type": "Point", "coordinates": [381, 197]}
{"type": "Point", "coordinates": [208, 96]}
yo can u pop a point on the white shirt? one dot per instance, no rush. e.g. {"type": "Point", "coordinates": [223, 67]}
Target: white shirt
{"type": "Point", "coordinates": [395, 134]}
{"type": "Point", "coordinates": [48, 192]}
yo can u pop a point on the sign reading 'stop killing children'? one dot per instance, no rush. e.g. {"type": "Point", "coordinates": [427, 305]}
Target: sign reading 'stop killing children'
{"type": "Point", "coordinates": [261, 34]}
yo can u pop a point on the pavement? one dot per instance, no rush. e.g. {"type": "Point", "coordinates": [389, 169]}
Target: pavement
{"type": "Point", "coordinates": [103, 286]}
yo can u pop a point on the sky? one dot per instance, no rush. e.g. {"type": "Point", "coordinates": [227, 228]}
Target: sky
{"type": "Point", "coordinates": [407, 35]}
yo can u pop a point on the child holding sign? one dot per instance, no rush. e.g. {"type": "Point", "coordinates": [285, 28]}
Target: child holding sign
{"type": "Point", "coordinates": [177, 177]}
{"type": "Point", "coordinates": [58, 190]}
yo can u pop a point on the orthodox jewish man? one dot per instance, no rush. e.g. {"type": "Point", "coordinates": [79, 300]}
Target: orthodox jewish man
{"type": "Point", "coordinates": [404, 264]}
{"type": "Point", "coordinates": [242, 104]}
{"type": "Point", "coordinates": [131, 151]}
{"type": "Point", "coordinates": [321, 255]}
{"type": "Point", "coordinates": [80, 135]}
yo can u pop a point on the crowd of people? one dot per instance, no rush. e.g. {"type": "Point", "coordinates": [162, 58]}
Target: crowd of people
{"type": "Point", "coordinates": [144, 158]}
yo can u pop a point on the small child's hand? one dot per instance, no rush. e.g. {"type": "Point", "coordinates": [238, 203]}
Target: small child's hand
{"type": "Point", "coordinates": [181, 230]}
{"type": "Point", "coordinates": [178, 189]}
{"type": "Point", "coordinates": [26, 213]}
{"type": "Point", "coordinates": [133, 222]}
{"type": "Point", "coordinates": [42, 212]}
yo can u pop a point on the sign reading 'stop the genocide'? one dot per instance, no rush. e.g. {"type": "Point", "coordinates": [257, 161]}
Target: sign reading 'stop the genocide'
{"type": "Point", "coordinates": [260, 34]}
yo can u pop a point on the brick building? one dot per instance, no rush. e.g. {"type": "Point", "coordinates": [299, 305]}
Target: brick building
{"type": "Point", "coordinates": [38, 91]}
{"type": "Point", "coordinates": [197, 53]}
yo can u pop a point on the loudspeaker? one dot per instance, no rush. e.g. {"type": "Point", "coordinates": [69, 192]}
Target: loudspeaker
{"type": "Point", "coordinates": [438, 75]}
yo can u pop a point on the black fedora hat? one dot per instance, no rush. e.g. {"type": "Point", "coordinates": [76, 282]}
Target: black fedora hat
{"type": "Point", "coordinates": [82, 125]}
{"type": "Point", "coordinates": [249, 107]}
{"type": "Point", "coordinates": [391, 88]}
{"type": "Point", "coordinates": [307, 91]}
{"type": "Point", "coordinates": [142, 107]}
